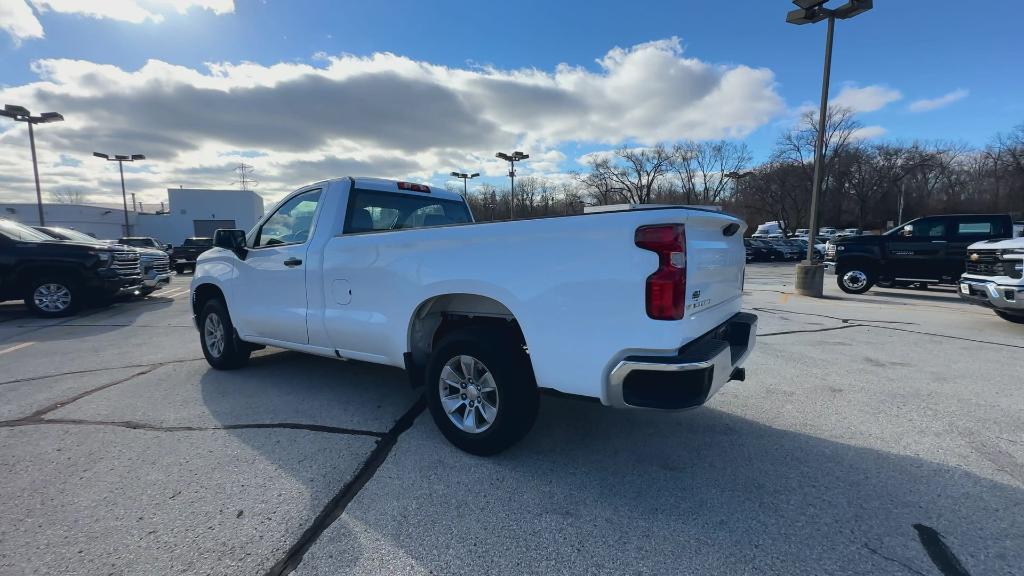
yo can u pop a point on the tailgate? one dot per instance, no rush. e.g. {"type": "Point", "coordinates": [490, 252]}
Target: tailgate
{"type": "Point", "coordinates": [714, 261]}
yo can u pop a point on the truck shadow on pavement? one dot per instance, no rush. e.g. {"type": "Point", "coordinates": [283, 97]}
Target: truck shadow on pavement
{"type": "Point", "coordinates": [594, 490]}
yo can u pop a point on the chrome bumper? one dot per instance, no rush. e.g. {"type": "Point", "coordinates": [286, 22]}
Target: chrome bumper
{"type": "Point", "coordinates": [689, 378]}
{"type": "Point", "coordinates": [989, 294]}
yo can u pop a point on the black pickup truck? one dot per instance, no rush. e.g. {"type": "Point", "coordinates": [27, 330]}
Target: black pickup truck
{"type": "Point", "coordinates": [184, 256]}
{"type": "Point", "coordinates": [929, 250]}
{"type": "Point", "coordinates": [56, 278]}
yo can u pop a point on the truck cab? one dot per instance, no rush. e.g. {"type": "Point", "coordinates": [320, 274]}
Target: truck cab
{"type": "Point", "coordinates": [928, 250]}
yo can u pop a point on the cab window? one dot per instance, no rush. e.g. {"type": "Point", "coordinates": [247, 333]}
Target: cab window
{"type": "Point", "coordinates": [979, 227]}
{"type": "Point", "coordinates": [372, 211]}
{"type": "Point", "coordinates": [291, 223]}
{"type": "Point", "coordinates": [926, 228]}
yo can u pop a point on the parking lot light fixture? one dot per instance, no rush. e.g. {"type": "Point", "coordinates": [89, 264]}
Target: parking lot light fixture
{"type": "Point", "coordinates": [809, 276]}
{"type": "Point", "coordinates": [21, 114]}
{"type": "Point", "coordinates": [512, 158]}
{"type": "Point", "coordinates": [465, 178]}
{"type": "Point", "coordinates": [121, 159]}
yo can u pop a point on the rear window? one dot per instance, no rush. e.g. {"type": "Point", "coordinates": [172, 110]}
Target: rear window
{"type": "Point", "coordinates": [198, 242]}
{"type": "Point", "coordinates": [372, 211]}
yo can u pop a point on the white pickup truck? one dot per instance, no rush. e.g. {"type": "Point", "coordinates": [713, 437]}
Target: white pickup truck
{"type": "Point", "coordinates": [635, 308]}
{"type": "Point", "coordinates": [994, 277]}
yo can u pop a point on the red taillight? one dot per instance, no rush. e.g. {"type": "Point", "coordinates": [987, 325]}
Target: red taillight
{"type": "Point", "coordinates": [666, 288]}
{"type": "Point", "coordinates": [414, 187]}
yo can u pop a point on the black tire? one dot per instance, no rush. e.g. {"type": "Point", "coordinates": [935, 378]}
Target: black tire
{"type": "Point", "coordinates": [59, 296]}
{"type": "Point", "coordinates": [231, 353]}
{"type": "Point", "coordinates": [856, 279]}
{"type": "Point", "coordinates": [143, 292]}
{"type": "Point", "coordinates": [179, 268]}
{"type": "Point", "coordinates": [1010, 316]}
{"type": "Point", "coordinates": [516, 397]}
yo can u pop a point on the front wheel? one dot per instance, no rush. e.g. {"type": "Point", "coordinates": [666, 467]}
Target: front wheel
{"type": "Point", "coordinates": [52, 297]}
{"type": "Point", "coordinates": [481, 391]}
{"type": "Point", "coordinates": [1010, 316]}
{"type": "Point", "coordinates": [222, 349]}
{"type": "Point", "coordinates": [855, 280]}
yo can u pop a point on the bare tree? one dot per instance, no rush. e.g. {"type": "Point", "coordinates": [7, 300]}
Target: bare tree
{"type": "Point", "coordinates": [67, 196]}
{"type": "Point", "coordinates": [634, 172]}
{"type": "Point", "coordinates": [702, 166]}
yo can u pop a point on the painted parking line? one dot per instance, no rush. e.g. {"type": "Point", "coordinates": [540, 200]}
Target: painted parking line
{"type": "Point", "coordinates": [16, 347]}
{"type": "Point", "coordinates": [174, 293]}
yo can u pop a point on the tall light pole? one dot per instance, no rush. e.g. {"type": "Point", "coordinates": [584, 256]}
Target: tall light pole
{"type": "Point", "coordinates": [21, 114]}
{"type": "Point", "coordinates": [121, 159]}
{"type": "Point", "coordinates": [512, 158]}
{"type": "Point", "coordinates": [465, 179]}
{"type": "Point", "coordinates": [810, 277]}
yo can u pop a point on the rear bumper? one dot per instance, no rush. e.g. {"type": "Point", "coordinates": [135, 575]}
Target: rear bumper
{"type": "Point", "coordinates": [689, 378]}
{"type": "Point", "coordinates": [991, 295]}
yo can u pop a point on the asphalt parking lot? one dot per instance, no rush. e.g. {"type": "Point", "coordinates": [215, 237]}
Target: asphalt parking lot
{"type": "Point", "coordinates": [875, 434]}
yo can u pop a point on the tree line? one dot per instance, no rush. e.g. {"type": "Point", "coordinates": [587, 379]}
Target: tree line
{"type": "Point", "coordinates": [866, 184]}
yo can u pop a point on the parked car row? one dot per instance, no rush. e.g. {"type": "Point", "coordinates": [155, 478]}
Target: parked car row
{"type": "Point", "coordinates": [57, 271]}
{"type": "Point", "coordinates": [780, 249]}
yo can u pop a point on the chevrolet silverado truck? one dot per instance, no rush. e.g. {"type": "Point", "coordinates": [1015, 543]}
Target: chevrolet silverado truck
{"type": "Point", "coordinates": [57, 277]}
{"type": "Point", "coordinates": [994, 277]}
{"type": "Point", "coordinates": [185, 255]}
{"type": "Point", "coordinates": [929, 250]}
{"type": "Point", "coordinates": [634, 308]}
{"type": "Point", "coordinates": [154, 263]}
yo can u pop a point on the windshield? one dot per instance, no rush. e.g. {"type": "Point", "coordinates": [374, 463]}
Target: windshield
{"type": "Point", "coordinates": [69, 234]}
{"type": "Point", "coordinates": [16, 231]}
{"type": "Point", "coordinates": [897, 229]}
{"type": "Point", "coordinates": [138, 242]}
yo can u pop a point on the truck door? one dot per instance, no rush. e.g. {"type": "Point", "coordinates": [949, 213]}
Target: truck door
{"type": "Point", "coordinates": [918, 251]}
{"type": "Point", "coordinates": [272, 278]}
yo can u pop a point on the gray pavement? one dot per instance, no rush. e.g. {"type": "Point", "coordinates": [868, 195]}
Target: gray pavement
{"type": "Point", "coordinates": [875, 434]}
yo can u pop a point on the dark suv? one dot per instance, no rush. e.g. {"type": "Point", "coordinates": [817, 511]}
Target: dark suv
{"type": "Point", "coordinates": [929, 250]}
{"type": "Point", "coordinates": [55, 277]}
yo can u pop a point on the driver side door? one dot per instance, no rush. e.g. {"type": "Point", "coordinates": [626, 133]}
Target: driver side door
{"type": "Point", "coordinates": [272, 278]}
{"type": "Point", "coordinates": [921, 254]}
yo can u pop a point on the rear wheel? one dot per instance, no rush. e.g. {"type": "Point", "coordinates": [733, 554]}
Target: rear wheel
{"type": "Point", "coordinates": [53, 297]}
{"type": "Point", "coordinates": [481, 390]}
{"type": "Point", "coordinates": [221, 347]}
{"type": "Point", "coordinates": [855, 279]}
{"type": "Point", "coordinates": [1010, 316]}
{"type": "Point", "coordinates": [179, 268]}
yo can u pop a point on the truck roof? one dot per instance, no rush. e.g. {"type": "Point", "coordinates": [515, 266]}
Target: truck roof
{"type": "Point", "coordinates": [385, 185]}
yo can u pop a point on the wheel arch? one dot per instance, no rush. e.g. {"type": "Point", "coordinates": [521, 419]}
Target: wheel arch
{"type": "Point", "coordinates": [440, 314]}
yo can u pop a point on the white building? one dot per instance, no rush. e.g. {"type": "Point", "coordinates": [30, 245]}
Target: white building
{"type": "Point", "coordinates": [190, 212]}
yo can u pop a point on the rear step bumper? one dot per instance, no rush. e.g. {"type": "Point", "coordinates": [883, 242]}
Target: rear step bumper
{"type": "Point", "coordinates": [689, 378]}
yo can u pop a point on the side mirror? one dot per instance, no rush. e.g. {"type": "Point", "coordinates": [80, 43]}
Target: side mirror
{"type": "Point", "coordinates": [908, 230]}
{"type": "Point", "coordinates": [231, 239]}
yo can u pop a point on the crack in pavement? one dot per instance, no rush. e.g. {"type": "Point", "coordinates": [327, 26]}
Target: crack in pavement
{"type": "Point", "coordinates": [337, 505]}
{"type": "Point", "coordinates": [133, 425]}
{"type": "Point", "coordinates": [939, 552]}
{"type": "Point", "coordinates": [38, 414]}
{"type": "Point", "coordinates": [776, 311]}
{"type": "Point", "coordinates": [812, 330]}
{"type": "Point", "coordinates": [872, 324]}
{"type": "Point", "coordinates": [90, 370]}
{"type": "Point", "coordinates": [893, 560]}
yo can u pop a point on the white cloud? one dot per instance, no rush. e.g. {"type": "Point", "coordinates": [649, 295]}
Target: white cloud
{"type": "Point", "coordinates": [383, 115]}
{"type": "Point", "coordinates": [17, 19]}
{"type": "Point", "coordinates": [866, 98]}
{"type": "Point", "coordinates": [868, 132]}
{"type": "Point", "coordinates": [929, 104]}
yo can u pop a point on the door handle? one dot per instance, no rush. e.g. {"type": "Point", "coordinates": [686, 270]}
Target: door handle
{"type": "Point", "coordinates": [293, 262]}
{"type": "Point", "coordinates": [938, 241]}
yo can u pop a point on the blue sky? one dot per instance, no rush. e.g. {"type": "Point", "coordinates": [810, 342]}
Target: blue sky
{"type": "Point", "coordinates": [901, 52]}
